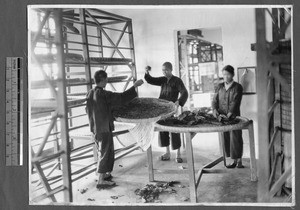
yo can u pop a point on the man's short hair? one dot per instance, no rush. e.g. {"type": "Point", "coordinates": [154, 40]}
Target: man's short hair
{"type": "Point", "coordinates": [168, 65]}
{"type": "Point", "coordinates": [229, 69]}
{"type": "Point", "coordinates": [99, 76]}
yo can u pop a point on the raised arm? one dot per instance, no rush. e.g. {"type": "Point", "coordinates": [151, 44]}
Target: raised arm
{"type": "Point", "coordinates": [118, 99]}
{"type": "Point", "coordinates": [158, 81]}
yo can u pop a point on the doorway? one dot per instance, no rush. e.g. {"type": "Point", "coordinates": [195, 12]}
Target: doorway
{"type": "Point", "coordinates": [200, 61]}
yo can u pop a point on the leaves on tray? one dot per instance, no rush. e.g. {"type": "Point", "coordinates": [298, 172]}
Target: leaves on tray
{"type": "Point", "coordinates": [197, 117]}
{"type": "Point", "coordinates": [144, 108]}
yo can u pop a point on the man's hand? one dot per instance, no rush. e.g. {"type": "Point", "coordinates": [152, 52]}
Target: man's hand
{"type": "Point", "coordinates": [215, 113]}
{"type": "Point", "coordinates": [138, 83]}
{"type": "Point", "coordinates": [230, 115]}
{"type": "Point", "coordinates": [177, 104]}
{"type": "Point", "coordinates": [148, 68]}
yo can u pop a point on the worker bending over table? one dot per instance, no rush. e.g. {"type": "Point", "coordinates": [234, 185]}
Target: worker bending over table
{"type": "Point", "coordinates": [171, 86]}
{"type": "Point", "coordinates": [99, 109]}
{"type": "Point", "coordinates": [226, 103]}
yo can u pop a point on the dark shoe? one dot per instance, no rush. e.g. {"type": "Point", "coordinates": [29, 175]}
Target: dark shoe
{"type": "Point", "coordinates": [105, 185]}
{"type": "Point", "coordinates": [164, 157]}
{"type": "Point", "coordinates": [108, 177]}
{"type": "Point", "coordinates": [178, 160]}
{"type": "Point", "coordinates": [240, 165]}
{"type": "Point", "coordinates": [232, 165]}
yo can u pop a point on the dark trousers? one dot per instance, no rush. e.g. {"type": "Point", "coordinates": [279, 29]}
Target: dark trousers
{"type": "Point", "coordinates": [233, 144]}
{"type": "Point", "coordinates": [106, 153]}
{"type": "Point", "coordinates": [164, 140]}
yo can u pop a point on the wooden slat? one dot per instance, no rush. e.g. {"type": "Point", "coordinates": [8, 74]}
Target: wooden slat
{"type": "Point", "coordinates": [44, 181]}
{"type": "Point", "coordinates": [46, 136]}
{"type": "Point", "coordinates": [278, 184]}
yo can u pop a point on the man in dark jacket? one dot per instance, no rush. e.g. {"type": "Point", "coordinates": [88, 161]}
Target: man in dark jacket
{"type": "Point", "coordinates": [99, 109]}
{"type": "Point", "coordinates": [171, 86]}
{"type": "Point", "coordinates": [226, 103]}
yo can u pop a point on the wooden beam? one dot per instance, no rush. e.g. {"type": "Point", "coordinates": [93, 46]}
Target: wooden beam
{"type": "Point", "coordinates": [191, 167]}
{"type": "Point", "coordinates": [274, 137]}
{"type": "Point", "coordinates": [277, 185]}
{"type": "Point", "coordinates": [86, 54]}
{"type": "Point", "coordinates": [105, 34]}
{"type": "Point", "coordinates": [62, 108]}
{"type": "Point", "coordinates": [39, 32]}
{"type": "Point", "coordinates": [46, 136]}
{"type": "Point", "coordinates": [262, 78]}
{"type": "Point", "coordinates": [44, 181]}
{"type": "Point", "coordinates": [111, 14]}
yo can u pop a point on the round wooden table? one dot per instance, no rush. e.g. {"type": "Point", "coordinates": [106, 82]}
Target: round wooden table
{"type": "Point", "coordinates": [190, 132]}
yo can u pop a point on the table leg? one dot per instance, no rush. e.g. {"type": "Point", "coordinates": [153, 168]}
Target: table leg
{"type": "Point", "coordinates": [191, 168]}
{"type": "Point", "coordinates": [150, 164]}
{"type": "Point", "coordinates": [252, 153]}
{"type": "Point", "coordinates": [222, 148]}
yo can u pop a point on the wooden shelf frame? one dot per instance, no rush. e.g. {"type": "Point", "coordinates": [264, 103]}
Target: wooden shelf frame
{"type": "Point", "coordinates": [61, 88]}
{"type": "Point", "coordinates": [269, 83]}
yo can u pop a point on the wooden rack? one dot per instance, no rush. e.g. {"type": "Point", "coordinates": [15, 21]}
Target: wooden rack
{"type": "Point", "coordinates": [80, 42]}
{"type": "Point", "coordinates": [274, 98]}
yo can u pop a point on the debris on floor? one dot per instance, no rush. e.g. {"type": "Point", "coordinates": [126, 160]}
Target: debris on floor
{"type": "Point", "coordinates": [116, 197]}
{"type": "Point", "coordinates": [121, 166]}
{"type": "Point", "coordinates": [82, 191]}
{"type": "Point", "coordinates": [182, 167]}
{"type": "Point", "coordinates": [91, 199]}
{"type": "Point", "coordinates": [150, 193]}
{"type": "Point", "coordinates": [184, 199]}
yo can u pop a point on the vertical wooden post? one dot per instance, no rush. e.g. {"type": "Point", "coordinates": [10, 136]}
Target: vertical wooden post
{"type": "Point", "coordinates": [191, 168]}
{"type": "Point", "coordinates": [131, 45]}
{"type": "Point", "coordinates": [253, 167]}
{"type": "Point", "coordinates": [261, 78]}
{"type": "Point", "coordinates": [62, 108]}
{"type": "Point", "coordinates": [221, 147]}
{"type": "Point", "coordinates": [85, 48]}
{"type": "Point", "coordinates": [150, 164]}
{"type": "Point", "coordinates": [187, 72]}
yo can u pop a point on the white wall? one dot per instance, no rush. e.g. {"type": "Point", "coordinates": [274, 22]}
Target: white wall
{"type": "Point", "coordinates": [154, 36]}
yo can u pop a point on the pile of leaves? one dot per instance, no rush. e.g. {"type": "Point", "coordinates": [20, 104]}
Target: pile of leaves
{"type": "Point", "coordinates": [198, 117]}
{"type": "Point", "coordinates": [150, 192]}
{"type": "Point", "coordinates": [144, 108]}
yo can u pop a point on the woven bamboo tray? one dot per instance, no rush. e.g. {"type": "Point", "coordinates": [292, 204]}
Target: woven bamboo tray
{"type": "Point", "coordinates": [204, 128]}
{"type": "Point", "coordinates": [171, 112]}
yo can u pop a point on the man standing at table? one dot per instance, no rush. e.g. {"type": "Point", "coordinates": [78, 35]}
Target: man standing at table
{"type": "Point", "coordinates": [171, 86]}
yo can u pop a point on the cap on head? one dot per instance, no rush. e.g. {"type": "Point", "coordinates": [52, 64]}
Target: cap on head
{"type": "Point", "coordinates": [100, 76]}
{"type": "Point", "coordinates": [229, 69]}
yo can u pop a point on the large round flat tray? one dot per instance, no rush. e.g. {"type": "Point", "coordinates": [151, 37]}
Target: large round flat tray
{"type": "Point", "coordinates": [171, 112]}
{"type": "Point", "coordinates": [204, 128]}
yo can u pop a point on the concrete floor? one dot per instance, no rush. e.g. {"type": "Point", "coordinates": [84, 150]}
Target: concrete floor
{"type": "Point", "coordinates": [131, 172]}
